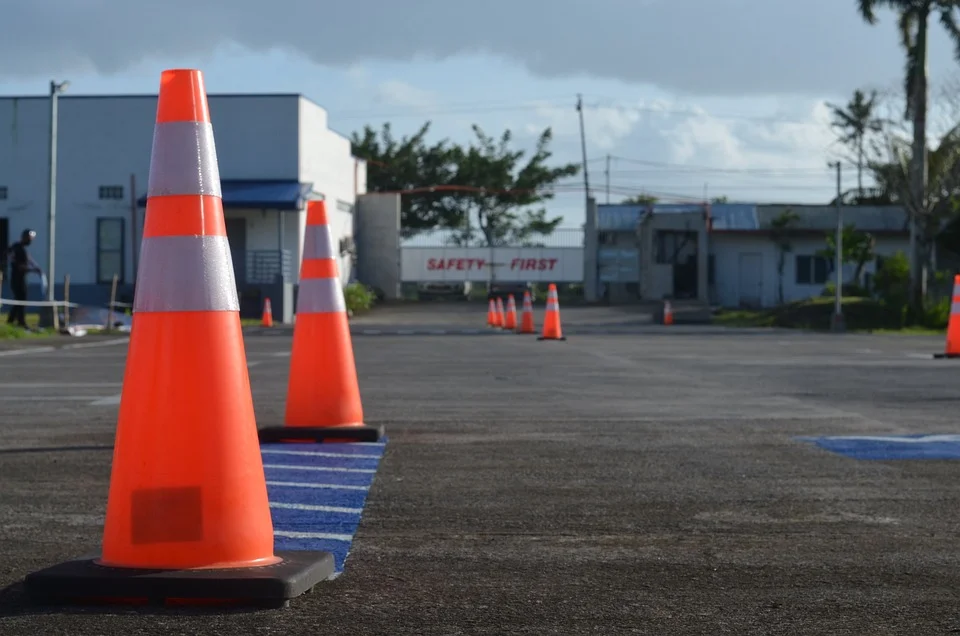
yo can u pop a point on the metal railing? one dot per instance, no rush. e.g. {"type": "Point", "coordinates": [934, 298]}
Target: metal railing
{"type": "Point", "coordinates": [266, 267]}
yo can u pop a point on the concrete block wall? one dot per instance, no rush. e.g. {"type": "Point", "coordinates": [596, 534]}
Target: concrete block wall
{"type": "Point", "coordinates": [377, 235]}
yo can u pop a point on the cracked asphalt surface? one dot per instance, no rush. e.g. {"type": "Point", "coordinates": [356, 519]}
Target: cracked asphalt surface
{"type": "Point", "coordinates": [628, 484]}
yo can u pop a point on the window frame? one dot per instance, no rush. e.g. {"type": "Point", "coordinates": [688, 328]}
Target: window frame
{"type": "Point", "coordinates": [122, 250]}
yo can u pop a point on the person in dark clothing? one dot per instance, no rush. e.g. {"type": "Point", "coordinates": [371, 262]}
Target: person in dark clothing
{"type": "Point", "coordinates": [20, 265]}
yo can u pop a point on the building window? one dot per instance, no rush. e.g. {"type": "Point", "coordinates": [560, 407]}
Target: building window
{"type": "Point", "coordinates": [111, 193]}
{"type": "Point", "coordinates": [110, 249]}
{"type": "Point", "coordinates": [812, 270]}
{"type": "Point", "coordinates": [343, 206]}
{"type": "Point", "coordinates": [4, 193]}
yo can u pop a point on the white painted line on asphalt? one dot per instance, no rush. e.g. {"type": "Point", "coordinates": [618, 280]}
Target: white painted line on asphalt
{"type": "Point", "coordinates": [59, 385]}
{"type": "Point", "coordinates": [327, 469]}
{"type": "Point", "coordinates": [312, 535]}
{"type": "Point", "coordinates": [281, 354]}
{"type": "Point", "coordinates": [91, 345]}
{"type": "Point", "coordinates": [26, 350]}
{"type": "Point", "coordinates": [315, 508]}
{"type": "Point", "coordinates": [253, 364]}
{"type": "Point", "coordinates": [113, 400]}
{"type": "Point", "coordinates": [294, 484]}
{"type": "Point", "coordinates": [44, 398]}
{"type": "Point", "coordinates": [271, 451]}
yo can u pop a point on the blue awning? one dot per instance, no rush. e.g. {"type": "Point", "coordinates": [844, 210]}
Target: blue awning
{"type": "Point", "coordinates": [258, 195]}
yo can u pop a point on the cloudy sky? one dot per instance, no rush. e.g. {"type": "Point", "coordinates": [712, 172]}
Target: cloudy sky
{"type": "Point", "coordinates": [723, 97]}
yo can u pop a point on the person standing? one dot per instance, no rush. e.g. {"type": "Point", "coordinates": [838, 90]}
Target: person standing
{"type": "Point", "coordinates": [21, 264]}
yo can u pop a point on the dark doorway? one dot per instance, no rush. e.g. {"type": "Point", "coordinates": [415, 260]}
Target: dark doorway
{"type": "Point", "coordinates": [237, 235]}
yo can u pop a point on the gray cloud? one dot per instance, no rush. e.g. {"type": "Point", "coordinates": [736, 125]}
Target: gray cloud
{"type": "Point", "coordinates": [715, 47]}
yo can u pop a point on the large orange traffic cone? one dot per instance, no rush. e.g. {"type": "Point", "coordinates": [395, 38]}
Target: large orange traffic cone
{"type": "Point", "coordinates": [551, 319]}
{"type": "Point", "coordinates": [323, 394]}
{"type": "Point", "coordinates": [526, 318]}
{"type": "Point", "coordinates": [501, 314]}
{"type": "Point", "coordinates": [493, 318]}
{"type": "Point", "coordinates": [510, 322]}
{"type": "Point", "coordinates": [267, 319]}
{"type": "Point", "coordinates": [187, 512]}
{"type": "Point", "coordinates": [952, 349]}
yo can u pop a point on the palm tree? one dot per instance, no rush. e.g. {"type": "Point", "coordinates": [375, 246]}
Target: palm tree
{"type": "Point", "coordinates": [913, 21]}
{"type": "Point", "coordinates": [855, 123]}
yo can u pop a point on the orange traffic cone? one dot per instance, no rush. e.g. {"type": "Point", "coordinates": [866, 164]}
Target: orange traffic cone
{"type": "Point", "coordinates": [267, 319]}
{"type": "Point", "coordinates": [492, 315]}
{"type": "Point", "coordinates": [501, 314]}
{"type": "Point", "coordinates": [551, 319]}
{"type": "Point", "coordinates": [667, 313]}
{"type": "Point", "coordinates": [511, 320]}
{"type": "Point", "coordinates": [952, 349]}
{"type": "Point", "coordinates": [187, 512]}
{"type": "Point", "coordinates": [323, 395]}
{"type": "Point", "coordinates": [526, 318]}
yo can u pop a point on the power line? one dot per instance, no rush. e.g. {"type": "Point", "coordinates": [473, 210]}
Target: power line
{"type": "Point", "coordinates": [475, 108]}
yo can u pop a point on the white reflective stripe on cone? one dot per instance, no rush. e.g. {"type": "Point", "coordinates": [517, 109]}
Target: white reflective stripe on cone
{"type": "Point", "coordinates": [185, 273]}
{"type": "Point", "coordinates": [955, 307]}
{"type": "Point", "coordinates": [320, 296]}
{"type": "Point", "coordinates": [183, 160]}
{"type": "Point", "coordinates": [552, 304]}
{"type": "Point", "coordinates": [318, 242]}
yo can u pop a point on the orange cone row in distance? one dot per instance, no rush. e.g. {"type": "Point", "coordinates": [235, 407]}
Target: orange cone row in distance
{"type": "Point", "coordinates": [323, 395]}
{"type": "Point", "coordinates": [510, 321]}
{"type": "Point", "coordinates": [187, 512]}
{"type": "Point", "coordinates": [952, 348]}
{"type": "Point", "coordinates": [267, 319]}
{"type": "Point", "coordinates": [551, 319]}
{"type": "Point", "coordinates": [501, 314]}
{"type": "Point", "coordinates": [493, 316]}
{"type": "Point", "coordinates": [526, 317]}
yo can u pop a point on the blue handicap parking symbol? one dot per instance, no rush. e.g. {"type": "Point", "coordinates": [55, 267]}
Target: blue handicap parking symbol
{"type": "Point", "coordinates": [890, 447]}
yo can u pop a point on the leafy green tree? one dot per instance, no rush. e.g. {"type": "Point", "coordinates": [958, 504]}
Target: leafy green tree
{"type": "Point", "coordinates": [855, 123]}
{"type": "Point", "coordinates": [485, 188]}
{"type": "Point", "coordinates": [780, 233]}
{"type": "Point", "coordinates": [858, 248]}
{"type": "Point", "coordinates": [408, 165]}
{"type": "Point", "coordinates": [640, 199]}
{"type": "Point", "coordinates": [913, 23]}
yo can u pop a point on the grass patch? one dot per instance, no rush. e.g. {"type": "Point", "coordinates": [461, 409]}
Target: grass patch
{"type": "Point", "coordinates": [861, 315]}
{"type": "Point", "coordinates": [10, 332]}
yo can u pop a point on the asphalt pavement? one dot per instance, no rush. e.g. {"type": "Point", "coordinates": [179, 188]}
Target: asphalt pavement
{"type": "Point", "coordinates": [641, 483]}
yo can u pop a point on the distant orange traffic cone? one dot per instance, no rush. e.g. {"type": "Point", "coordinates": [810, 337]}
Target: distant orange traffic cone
{"type": "Point", "coordinates": [493, 318]}
{"type": "Point", "coordinates": [267, 319]}
{"type": "Point", "coordinates": [187, 511]}
{"type": "Point", "coordinates": [551, 319]}
{"type": "Point", "coordinates": [501, 314]}
{"type": "Point", "coordinates": [952, 349]}
{"type": "Point", "coordinates": [526, 317]}
{"type": "Point", "coordinates": [323, 394]}
{"type": "Point", "coordinates": [667, 313]}
{"type": "Point", "coordinates": [511, 319]}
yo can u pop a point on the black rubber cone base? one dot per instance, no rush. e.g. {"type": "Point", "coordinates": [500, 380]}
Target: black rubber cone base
{"type": "Point", "coordinates": [83, 581]}
{"type": "Point", "coordinates": [560, 339]}
{"type": "Point", "coordinates": [946, 356]}
{"type": "Point", "coordinates": [295, 434]}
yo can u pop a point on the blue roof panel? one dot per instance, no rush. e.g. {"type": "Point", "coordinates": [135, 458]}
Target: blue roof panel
{"type": "Point", "coordinates": [261, 194]}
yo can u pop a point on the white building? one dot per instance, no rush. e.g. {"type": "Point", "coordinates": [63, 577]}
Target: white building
{"type": "Point", "coordinates": [726, 254]}
{"type": "Point", "coordinates": [275, 153]}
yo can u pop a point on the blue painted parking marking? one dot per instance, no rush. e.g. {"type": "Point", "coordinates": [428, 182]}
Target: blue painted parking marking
{"type": "Point", "coordinates": [317, 493]}
{"type": "Point", "coordinates": [890, 447]}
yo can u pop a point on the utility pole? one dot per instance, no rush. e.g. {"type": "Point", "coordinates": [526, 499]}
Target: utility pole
{"type": "Point", "coordinates": [583, 146]}
{"type": "Point", "coordinates": [838, 322]}
{"type": "Point", "coordinates": [55, 90]}
{"type": "Point", "coordinates": [608, 179]}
